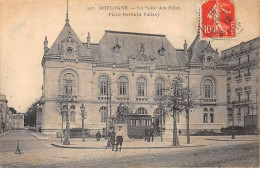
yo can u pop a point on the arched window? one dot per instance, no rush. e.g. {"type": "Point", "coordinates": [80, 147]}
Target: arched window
{"type": "Point", "coordinates": [72, 113]}
{"type": "Point", "coordinates": [103, 82]}
{"type": "Point", "coordinates": [159, 86]}
{"type": "Point", "coordinates": [141, 86]}
{"type": "Point", "coordinates": [208, 88]}
{"type": "Point", "coordinates": [205, 115]}
{"type": "Point", "coordinates": [69, 83]}
{"type": "Point", "coordinates": [158, 114]}
{"type": "Point", "coordinates": [141, 111]}
{"type": "Point", "coordinates": [122, 86]}
{"type": "Point", "coordinates": [103, 113]}
{"type": "Point", "coordinates": [211, 115]}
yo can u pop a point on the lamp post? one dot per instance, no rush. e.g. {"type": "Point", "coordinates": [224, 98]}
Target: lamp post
{"type": "Point", "coordinates": [83, 116]}
{"type": "Point", "coordinates": [252, 120]}
{"type": "Point", "coordinates": [233, 131]}
{"type": "Point", "coordinates": [188, 109]}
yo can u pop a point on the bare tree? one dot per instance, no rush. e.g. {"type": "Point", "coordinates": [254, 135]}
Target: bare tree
{"type": "Point", "coordinates": [60, 105]}
{"type": "Point", "coordinates": [175, 99]}
{"type": "Point", "coordinates": [172, 102]}
{"type": "Point", "coordinates": [159, 100]}
{"type": "Point", "coordinates": [190, 96]}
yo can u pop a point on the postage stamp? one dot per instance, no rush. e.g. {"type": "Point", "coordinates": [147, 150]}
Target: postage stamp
{"type": "Point", "coordinates": [218, 19]}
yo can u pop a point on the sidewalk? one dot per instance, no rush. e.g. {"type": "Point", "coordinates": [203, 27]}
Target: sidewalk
{"type": "Point", "coordinates": [5, 133]}
{"type": "Point", "coordinates": [38, 136]}
{"type": "Point", "coordinates": [247, 138]}
{"type": "Point", "coordinates": [129, 144]}
{"type": "Point", "coordinates": [196, 141]}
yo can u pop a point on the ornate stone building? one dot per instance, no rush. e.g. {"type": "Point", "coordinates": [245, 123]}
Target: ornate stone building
{"type": "Point", "coordinates": [132, 68]}
{"type": "Point", "coordinates": [242, 82]}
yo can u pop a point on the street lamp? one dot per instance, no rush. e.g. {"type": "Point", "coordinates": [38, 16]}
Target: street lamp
{"type": "Point", "coordinates": [82, 108]}
{"type": "Point", "coordinates": [233, 131]}
{"type": "Point", "coordinates": [188, 109]}
{"type": "Point", "coordinates": [252, 126]}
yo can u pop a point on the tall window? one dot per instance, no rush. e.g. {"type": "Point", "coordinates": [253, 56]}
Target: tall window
{"type": "Point", "coordinates": [103, 84]}
{"type": "Point", "coordinates": [141, 111]}
{"type": "Point", "coordinates": [159, 87]}
{"type": "Point", "coordinates": [69, 83]}
{"type": "Point", "coordinates": [141, 86]}
{"type": "Point", "coordinates": [72, 113]}
{"type": "Point", "coordinates": [103, 113]}
{"type": "Point", "coordinates": [208, 88]}
{"type": "Point", "coordinates": [158, 114]}
{"type": "Point", "coordinates": [205, 115]}
{"type": "Point", "coordinates": [211, 115]}
{"type": "Point", "coordinates": [122, 86]}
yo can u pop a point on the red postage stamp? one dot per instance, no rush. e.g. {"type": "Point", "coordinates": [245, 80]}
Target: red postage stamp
{"type": "Point", "coordinates": [218, 19]}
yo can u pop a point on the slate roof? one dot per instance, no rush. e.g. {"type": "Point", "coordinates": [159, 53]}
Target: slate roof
{"type": "Point", "coordinates": [130, 44]}
{"type": "Point", "coordinates": [66, 32]}
{"type": "Point", "coordinates": [195, 52]}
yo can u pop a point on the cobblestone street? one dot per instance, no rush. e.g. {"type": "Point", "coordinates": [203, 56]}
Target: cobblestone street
{"type": "Point", "coordinates": [213, 153]}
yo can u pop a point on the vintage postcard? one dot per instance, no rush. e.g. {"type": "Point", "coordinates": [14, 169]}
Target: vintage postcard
{"type": "Point", "coordinates": [129, 84]}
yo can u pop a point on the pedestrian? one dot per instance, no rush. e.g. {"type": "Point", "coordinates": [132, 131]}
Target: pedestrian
{"type": "Point", "coordinates": [98, 136]}
{"type": "Point", "coordinates": [151, 134]}
{"type": "Point", "coordinates": [146, 134]}
{"type": "Point", "coordinates": [119, 138]}
{"type": "Point", "coordinates": [111, 138]}
{"type": "Point", "coordinates": [179, 132]}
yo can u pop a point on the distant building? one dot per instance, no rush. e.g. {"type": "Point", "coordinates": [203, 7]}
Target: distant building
{"type": "Point", "coordinates": [3, 113]}
{"type": "Point", "coordinates": [135, 67]}
{"type": "Point", "coordinates": [18, 121]}
{"type": "Point", "coordinates": [243, 83]}
{"type": "Point", "coordinates": [9, 120]}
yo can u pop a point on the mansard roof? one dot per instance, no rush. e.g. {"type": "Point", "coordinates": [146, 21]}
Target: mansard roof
{"type": "Point", "coordinates": [130, 44]}
{"type": "Point", "coordinates": [65, 33]}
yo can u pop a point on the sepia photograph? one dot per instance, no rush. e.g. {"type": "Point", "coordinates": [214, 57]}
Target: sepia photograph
{"type": "Point", "coordinates": [129, 84]}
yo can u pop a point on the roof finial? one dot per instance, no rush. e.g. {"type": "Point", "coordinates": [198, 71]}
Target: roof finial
{"type": "Point", "coordinates": [199, 22]}
{"type": "Point", "coordinates": [67, 15]}
{"type": "Point", "coordinates": [88, 41]}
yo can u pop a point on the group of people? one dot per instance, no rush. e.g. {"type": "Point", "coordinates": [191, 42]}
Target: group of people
{"type": "Point", "coordinates": [115, 138]}
{"type": "Point", "coordinates": [148, 134]}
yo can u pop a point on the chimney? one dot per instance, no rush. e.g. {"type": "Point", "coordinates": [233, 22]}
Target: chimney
{"type": "Point", "coordinates": [88, 41]}
{"type": "Point", "coordinates": [185, 47]}
{"type": "Point", "coordinates": [46, 49]}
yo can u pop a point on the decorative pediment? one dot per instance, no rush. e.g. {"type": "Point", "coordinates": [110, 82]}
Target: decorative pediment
{"type": "Point", "coordinates": [69, 49]}
{"type": "Point", "coordinates": [142, 58]}
{"type": "Point", "coordinates": [69, 40]}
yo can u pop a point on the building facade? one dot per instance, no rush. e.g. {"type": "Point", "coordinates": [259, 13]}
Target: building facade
{"type": "Point", "coordinates": [130, 69]}
{"type": "Point", "coordinates": [3, 113]}
{"type": "Point", "coordinates": [242, 83]}
{"type": "Point", "coordinates": [18, 121]}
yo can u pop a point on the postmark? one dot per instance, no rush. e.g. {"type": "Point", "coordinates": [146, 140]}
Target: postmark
{"type": "Point", "coordinates": [218, 19]}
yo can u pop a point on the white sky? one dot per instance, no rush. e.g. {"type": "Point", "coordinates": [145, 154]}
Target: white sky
{"type": "Point", "coordinates": [25, 23]}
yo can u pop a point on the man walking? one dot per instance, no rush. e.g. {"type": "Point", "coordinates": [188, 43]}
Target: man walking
{"type": "Point", "coordinates": [119, 138]}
